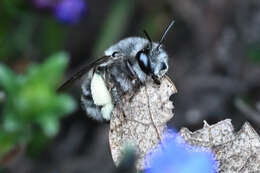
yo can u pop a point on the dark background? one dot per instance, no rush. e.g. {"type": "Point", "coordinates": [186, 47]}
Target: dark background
{"type": "Point", "coordinates": [214, 51]}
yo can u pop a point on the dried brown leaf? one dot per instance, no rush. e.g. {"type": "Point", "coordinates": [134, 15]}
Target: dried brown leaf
{"type": "Point", "coordinates": [235, 151]}
{"type": "Point", "coordinates": [141, 121]}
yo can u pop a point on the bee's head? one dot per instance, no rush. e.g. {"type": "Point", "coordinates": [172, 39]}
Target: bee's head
{"type": "Point", "coordinates": [152, 59]}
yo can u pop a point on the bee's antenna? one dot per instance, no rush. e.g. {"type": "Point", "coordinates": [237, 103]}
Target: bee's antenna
{"type": "Point", "coordinates": [148, 37]}
{"type": "Point", "coordinates": [165, 33]}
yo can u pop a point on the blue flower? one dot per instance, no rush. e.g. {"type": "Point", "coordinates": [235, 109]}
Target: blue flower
{"type": "Point", "coordinates": [173, 155]}
{"type": "Point", "coordinates": [70, 11]}
{"type": "Point", "coordinates": [66, 11]}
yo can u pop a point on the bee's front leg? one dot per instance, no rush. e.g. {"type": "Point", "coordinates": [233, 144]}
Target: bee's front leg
{"type": "Point", "coordinates": [115, 95]}
{"type": "Point", "coordinates": [134, 79]}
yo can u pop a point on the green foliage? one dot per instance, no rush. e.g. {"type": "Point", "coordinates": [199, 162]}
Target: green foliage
{"type": "Point", "coordinates": [114, 25]}
{"type": "Point", "coordinates": [27, 32]}
{"type": "Point", "coordinates": [52, 36]}
{"type": "Point", "coordinates": [15, 28]}
{"type": "Point", "coordinates": [253, 52]}
{"type": "Point", "coordinates": [32, 107]}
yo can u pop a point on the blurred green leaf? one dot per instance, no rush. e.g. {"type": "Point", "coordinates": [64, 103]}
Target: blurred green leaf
{"type": "Point", "coordinates": [10, 122]}
{"type": "Point", "coordinates": [16, 26]}
{"type": "Point", "coordinates": [28, 32]}
{"type": "Point", "coordinates": [2, 97]}
{"type": "Point", "coordinates": [65, 104]}
{"type": "Point", "coordinates": [114, 25]}
{"type": "Point", "coordinates": [52, 36]}
{"type": "Point", "coordinates": [55, 66]}
{"type": "Point", "coordinates": [39, 140]}
{"type": "Point", "coordinates": [12, 7]}
{"type": "Point", "coordinates": [155, 24]}
{"type": "Point", "coordinates": [253, 52]}
{"type": "Point", "coordinates": [16, 39]}
{"type": "Point", "coordinates": [32, 101]}
{"type": "Point", "coordinates": [22, 35]}
{"type": "Point", "coordinates": [7, 78]}
{"type": "Point", "coordinates": [7, 142]}
{"type": "Point", "coordinates": [50, 124]}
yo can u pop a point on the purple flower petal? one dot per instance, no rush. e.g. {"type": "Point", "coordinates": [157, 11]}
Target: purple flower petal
{"type": "Point", "coordinates": [70, 11]}
{"type": "Point", "coordinates": [173, 155]}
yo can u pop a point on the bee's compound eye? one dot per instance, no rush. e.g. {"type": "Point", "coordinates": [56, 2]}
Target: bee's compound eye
{"type": "Point", "coordinates": [143, 62]}
{"type": "Point", "coordinates": [115, 53]}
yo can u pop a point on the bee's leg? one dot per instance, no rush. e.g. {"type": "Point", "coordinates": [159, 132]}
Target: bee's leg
{"type": "Point", "coordinates": [156, 81]}
{"type": "Point", "coordinates": [125, 82]}
{"type": "Point", "coordinates": [135, 82]}
{"type": "Point", "coordinates": [117, 99]}
{"type": "Point", "coordinates": [87, 102]}
{"type": "Point", "coordinates": [121, 80]}
{"type": "Point", "coordinates": [115, 95]}
{"type": "Point", "coordinates": [131, 71]}
{"type": "Point", "coordinates": [132, 94]}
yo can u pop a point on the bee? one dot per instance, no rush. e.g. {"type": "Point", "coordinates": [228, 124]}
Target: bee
{"type": "Point", "coordinates": [124, 68]}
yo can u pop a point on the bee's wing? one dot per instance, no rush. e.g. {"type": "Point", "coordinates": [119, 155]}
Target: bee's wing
{"type": "Point", "coordinates": [83, 71]}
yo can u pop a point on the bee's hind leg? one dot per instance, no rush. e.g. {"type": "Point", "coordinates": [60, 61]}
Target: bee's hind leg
{"type": "Point", "coordinates": [88, 104]}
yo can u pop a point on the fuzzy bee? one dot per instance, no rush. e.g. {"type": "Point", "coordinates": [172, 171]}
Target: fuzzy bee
{"type": "Point", "coordinates": [124, 68]}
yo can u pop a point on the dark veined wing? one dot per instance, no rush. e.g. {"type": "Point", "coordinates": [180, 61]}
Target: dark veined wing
{"type": "Point", "coordinates": [83, 71]}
